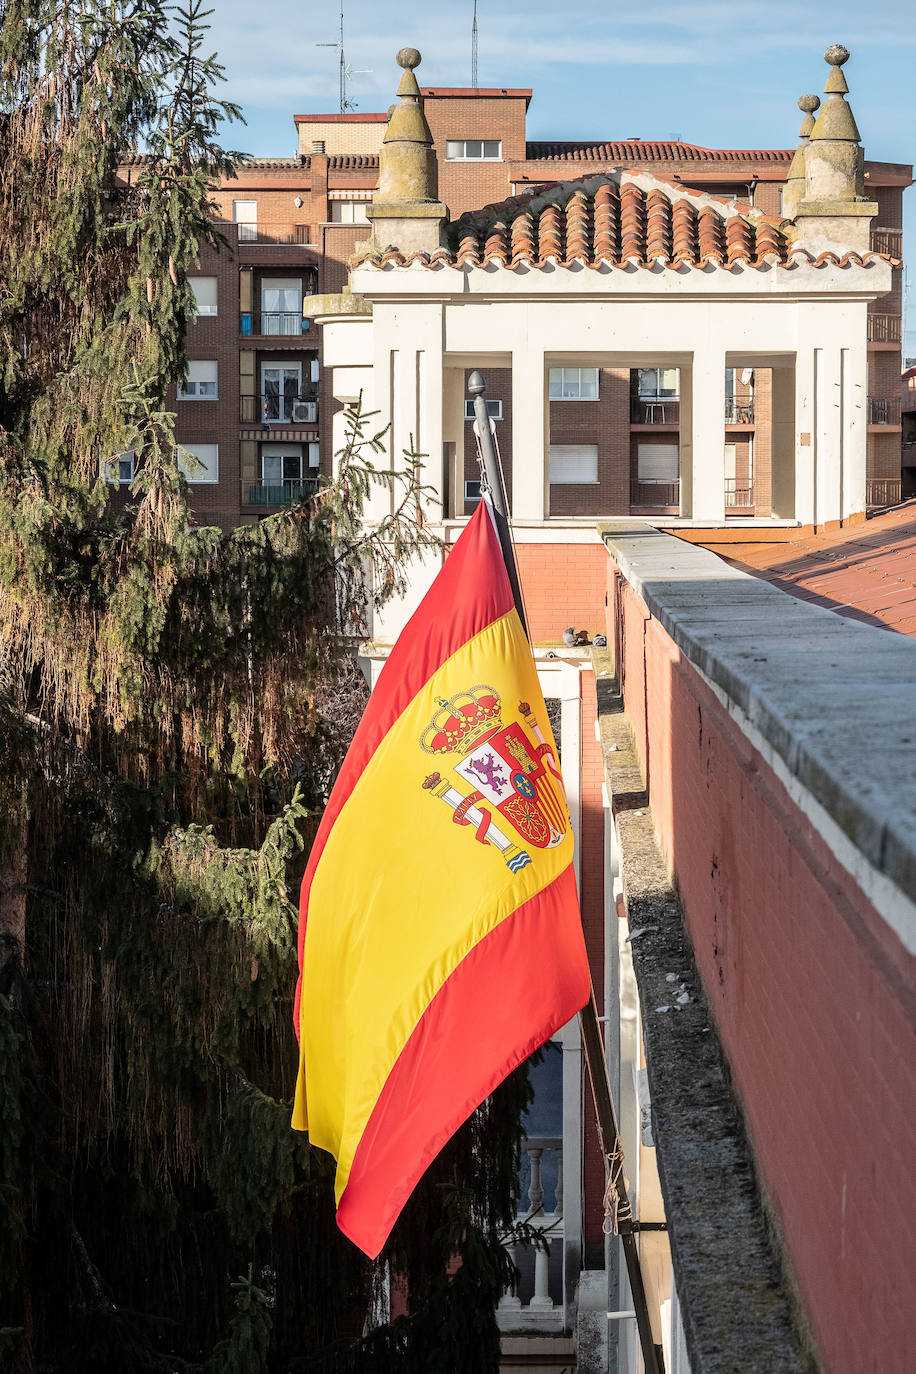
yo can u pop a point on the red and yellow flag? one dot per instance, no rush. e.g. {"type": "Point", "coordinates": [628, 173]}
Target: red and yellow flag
{"type": "Point", "coordinates": [440, 941]}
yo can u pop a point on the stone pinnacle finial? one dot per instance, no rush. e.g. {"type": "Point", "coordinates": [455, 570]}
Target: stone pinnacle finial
{"type": "Point", "coordinates": [795, 177]}
{"type": "Point", "coordinates": [832, 209]}
{"type": "Point", "coordinates": [807, 104]}
{"type": "Point", "coordinates": [405, 212]}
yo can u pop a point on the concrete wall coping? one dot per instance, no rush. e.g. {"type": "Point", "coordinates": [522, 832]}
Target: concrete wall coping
{"type": "Point", "coordinates": [834, 698]}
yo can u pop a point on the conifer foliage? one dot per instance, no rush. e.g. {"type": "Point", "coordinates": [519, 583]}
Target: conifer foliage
{"type": "Point", "coordinates": [174, 702]}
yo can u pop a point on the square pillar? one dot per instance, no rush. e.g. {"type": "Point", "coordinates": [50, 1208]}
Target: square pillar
{"type": "Point", "coordinates": [408, 378]}
{"type": "Point", "coordinates": [854, 379]}
{"type": "Point", "coordinates": [530, 434]}
{"type": "Point", "coordinates": [782, 402]}
{"type": "Point", "coordinates": [707, 433]}
{"type": "Point", "coordinates": [453, 424]}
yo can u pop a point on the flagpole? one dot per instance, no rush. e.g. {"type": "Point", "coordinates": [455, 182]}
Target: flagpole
{"type": "Point", "coordinates": [616, 1200]}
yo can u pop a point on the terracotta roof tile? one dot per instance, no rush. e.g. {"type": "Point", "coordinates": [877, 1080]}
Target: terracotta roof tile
{"type": "Point", "coordinates": [865, 571]}
{"type": "Point", "coordinates": [635, 150]}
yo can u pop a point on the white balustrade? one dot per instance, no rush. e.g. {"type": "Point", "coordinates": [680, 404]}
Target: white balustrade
{"type": "Point", "coordinates": [541, 1310]}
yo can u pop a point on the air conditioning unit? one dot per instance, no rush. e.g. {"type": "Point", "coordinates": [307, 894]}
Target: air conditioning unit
{"type": "Point", "coordinates": [305, 412]}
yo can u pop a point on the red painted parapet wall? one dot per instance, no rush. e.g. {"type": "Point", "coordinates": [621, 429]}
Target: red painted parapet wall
{"type": "Point", "coordinates": [811, 989]}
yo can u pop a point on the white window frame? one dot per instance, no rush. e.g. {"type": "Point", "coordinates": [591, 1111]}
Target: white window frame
{"type": "Point", "coordinates": [207, 310]}
{"type": "Point", "coordinates": [280, 452]}
{"type": "Point", "coordinates": [565, 383]}
{"type": "Point", "coordinates": [128, 459]}
{"type": "Point", "coordinates": [194, 475]}
{"type": "Point", "coordinates": [494, 409]}
{"type": "Point", "coordinates": [472, 490]}
{"type": "Point", "coordinates": [348, 212]}
{"type": "Point", "coordinates": [658, 392]}
{"type": "Point", "coordinates": [247, 224]}
{"type": "Point", "coordinates": [560, 453]}
{"type": "Point", "coordinates": [465, 156]}
{"type": "Point", "coordinates": [282, 367]}
{"type": "Point", "coordinates": [293, 286]}
{"type": "Point", "coordinates": [189, 389]}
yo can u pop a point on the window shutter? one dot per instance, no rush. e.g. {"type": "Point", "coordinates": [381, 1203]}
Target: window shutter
{"type": "Point", "coordinates": [204, 289]}
{"type": "Point", "coordinates": [573, 463]}
{"type": "Point", "coordinates": [657, 462]}
{"type": "Point", "coordinates": [206, 469]}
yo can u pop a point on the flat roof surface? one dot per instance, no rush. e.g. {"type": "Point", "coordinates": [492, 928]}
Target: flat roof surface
{"type": "Point", "coordinates": [866, 572]}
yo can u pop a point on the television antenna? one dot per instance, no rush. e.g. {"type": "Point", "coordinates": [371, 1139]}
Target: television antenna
{"type": "Point", "coordinates": [474, 49]}
{"type": "Point", "coordinates": [346, 71]}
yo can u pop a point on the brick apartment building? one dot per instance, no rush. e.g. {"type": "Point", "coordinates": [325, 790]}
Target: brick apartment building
{"type": "Point", "coordinates": [256, 411]}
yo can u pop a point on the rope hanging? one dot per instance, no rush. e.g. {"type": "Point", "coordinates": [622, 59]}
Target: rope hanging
{"type": "Point", "coordinates": [615, 1211]}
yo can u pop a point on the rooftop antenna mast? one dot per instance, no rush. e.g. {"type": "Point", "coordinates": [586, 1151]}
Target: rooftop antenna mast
{"type": "Point", "coordinates": [346, 71]}
{"type": "Point", "coordinates": [474, 49]}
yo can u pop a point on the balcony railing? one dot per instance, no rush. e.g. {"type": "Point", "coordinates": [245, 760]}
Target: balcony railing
{"type": "Point", "coordinates": [655, 492]}
{"type": "Point", "coordinates": [882, 491]}
{"type": "Point", "coordinates": [738, 412]}
{"type": "Point", "coordinates": [884, 410]}
{"type": "Point", "coordinates": [267, 409]}
{"type": "Point", "coordinates": [884, 328]}
{"type": "Point", "coordinates": [273, 233]}
{"type": "Point", "coordinates": [887, 241]}
{"type": "Point", "coordinates": [649, 411]}
{"type": "Point", "coordinates": [739, 492]}
{"type": "Point", "coordinates": [272, 323]}
{"type": "Point", "coordinates": [274, 494]}
{"type": "Point", "coordinates": [537, 1298]}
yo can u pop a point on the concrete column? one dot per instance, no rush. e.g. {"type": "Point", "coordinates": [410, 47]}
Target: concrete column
{"type": "Point", "coordinates": [806, 422]}
{"type": "Point", "coordinates": [408, 387]}
{"type": "Point", "coordinates": [707, 428]}
{"type": "Point", "coordinates": [829, 435]}
{"type": "Point", "coordinates": [453, 398]}
{"type": "Point", "coordinates": [685, 438]}
{"type": "Point", "coordinates": [855, 422]}
{"type": "Point", "coordinates": [530, 434]}
{"type": "Point", "coordinates": [782, 402]}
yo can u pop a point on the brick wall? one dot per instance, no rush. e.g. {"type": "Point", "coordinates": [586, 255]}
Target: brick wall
{"type": "Point", "coordinates": [470, 185]}
{"type": "Point", "coordinates": [812, 994]}
{"type": "Point", "coordinates": [563, 584]}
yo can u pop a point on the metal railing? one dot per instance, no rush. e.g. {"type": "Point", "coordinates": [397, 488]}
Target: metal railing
{"type": "Point", "coordinates": [273, 233]}
{"type": "Point", "coordinates": [648, 411]}
{"type": "Point", "coordinates": [273, 323]}
{"type": "Point", "coordinates": [655, 492]}
{"type": "Point", "coordinates": [277, 494]}
{"type": "Point", "coordinates": [883, 328]}
{"type": "Point", "coordinates": [884, 410]}
{"type": "Point", "coordinates": [738, 492]}
{"type": "Point", "coordinates": [882, 491]}
{"type": "Point", "coordinates": [738, 412]}
{"type": "Point", "coordinates": [267, 409]}
{"type": "Point", "coordinates": [887, 241]}
{"type": "Point", "coordinates": [537, 1298]}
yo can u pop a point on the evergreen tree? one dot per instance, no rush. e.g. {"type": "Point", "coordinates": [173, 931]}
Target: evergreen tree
{"type": "Point", "coordinates": [174, 703]}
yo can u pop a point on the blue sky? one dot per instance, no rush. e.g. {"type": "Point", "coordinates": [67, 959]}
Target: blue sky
{"type": "Point", "coordinates": [723, 73]}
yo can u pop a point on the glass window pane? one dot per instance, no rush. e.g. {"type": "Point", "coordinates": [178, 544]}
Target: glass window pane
{"type": "Point", "coordinates": [206, 468]}
{"type": "Point", "coordinates": [454, 149]}
{"type": "Point", "coordinates": [292, 467]}
{"type": "Point", "coordinates": [491, 148]}
{"type": "Point", "coordinates": [204, 289]}
{"type": "Point", "coordinates": [272, 468]}
{"type": "Point", "coordinates": [473, 147]}
{"type": "Point", "coordinates": [588, 383]}
{"type": "Point", "coordinates": [668, 381]}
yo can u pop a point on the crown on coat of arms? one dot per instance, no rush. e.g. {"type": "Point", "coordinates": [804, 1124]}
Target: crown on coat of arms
{"type": "Point", "coordinates": [460, 722]}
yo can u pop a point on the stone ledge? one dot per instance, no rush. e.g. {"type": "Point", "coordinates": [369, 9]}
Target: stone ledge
{"type": "Point", "coordinates": [736, 1304]}
{"type": "Point", "coordinates": [834, 698]}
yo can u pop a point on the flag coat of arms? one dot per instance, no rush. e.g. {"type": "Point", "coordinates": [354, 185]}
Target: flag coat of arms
{"type": "Point", "coordinates": [440, 941]}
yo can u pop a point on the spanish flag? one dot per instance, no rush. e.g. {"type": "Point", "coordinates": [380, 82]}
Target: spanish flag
{"type": "Point", "coordinates": [440, 941]}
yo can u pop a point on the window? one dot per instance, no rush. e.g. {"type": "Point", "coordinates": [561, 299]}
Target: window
{"type": "Point", "coordinates": [655, 383]}
{"type": "Point", "coordinates": [281, 384]}
{"type": "Point", "coordinates": [573, 463]}
{"type": "Point", "coordinates": [473, 150]}
{"type": "Point", "coordinates": [349, 212]}
{"type": "Point", "coordinates": [204, 289]}
{"type": "Point", "coordinates": [245, 215]}
{"type": "Point", "coordinates": [199, 462]}
{"type": "Point", "coordinates": [494, 409]}
{"type": "Point", "coordinates": [120, 468]}
{"type": "Point", "coordinates": [314, 457]}
{"type": "Point", "coordinates": [657, 462]}
{"type": "Point", "coordinates": [314, 370]}
{"type": "Point", "coordinates": [281, 305]}
{"type": "Point", "coordinates": [200, 383]}
{"type": "Point", "coordinates": [472, 491]}
{"type": "Point", "coordinates": [281, 464]}
{"type": "Point", "coordinates": [573, 384]}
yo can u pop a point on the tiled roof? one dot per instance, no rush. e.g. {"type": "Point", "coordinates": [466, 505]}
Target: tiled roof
{"type": "Point", "coordinates": [617, 218]}
{"type": "Point", "coordinates": [635, 150]}
{"type": "Point", "coordinates": [866, 571]}
{"type": "Point", "coordinates": [348, 162]}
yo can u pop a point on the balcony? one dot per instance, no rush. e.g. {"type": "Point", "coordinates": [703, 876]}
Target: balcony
{"type": "Point", "coordinates": [884, 329]}
{"type": "Point", "coordinates": [250, 234]}
{"type": "Point", "coordinates": [274, 495]}
{"type": "Point", "coordinates": [271, 409]}
{"type": "Point", "coordinates": [655, 493]}
{"type": "Point", "coordinates": [738, 412]}
{"type": "Point", "coordinates": [649, 410]}
{"type": "Point", "coordinates": [882, 491]}
{"type": "Point", "coordinates": [883, 410]}
{"type": "Point", "coordinates": [888, 241]}
{"type": "Point", "coordinates": [273, 323]}
{"type": "Point", "coordinates": [536, 1302]}
{"type": "Point", "coordinates": [739, 493]}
